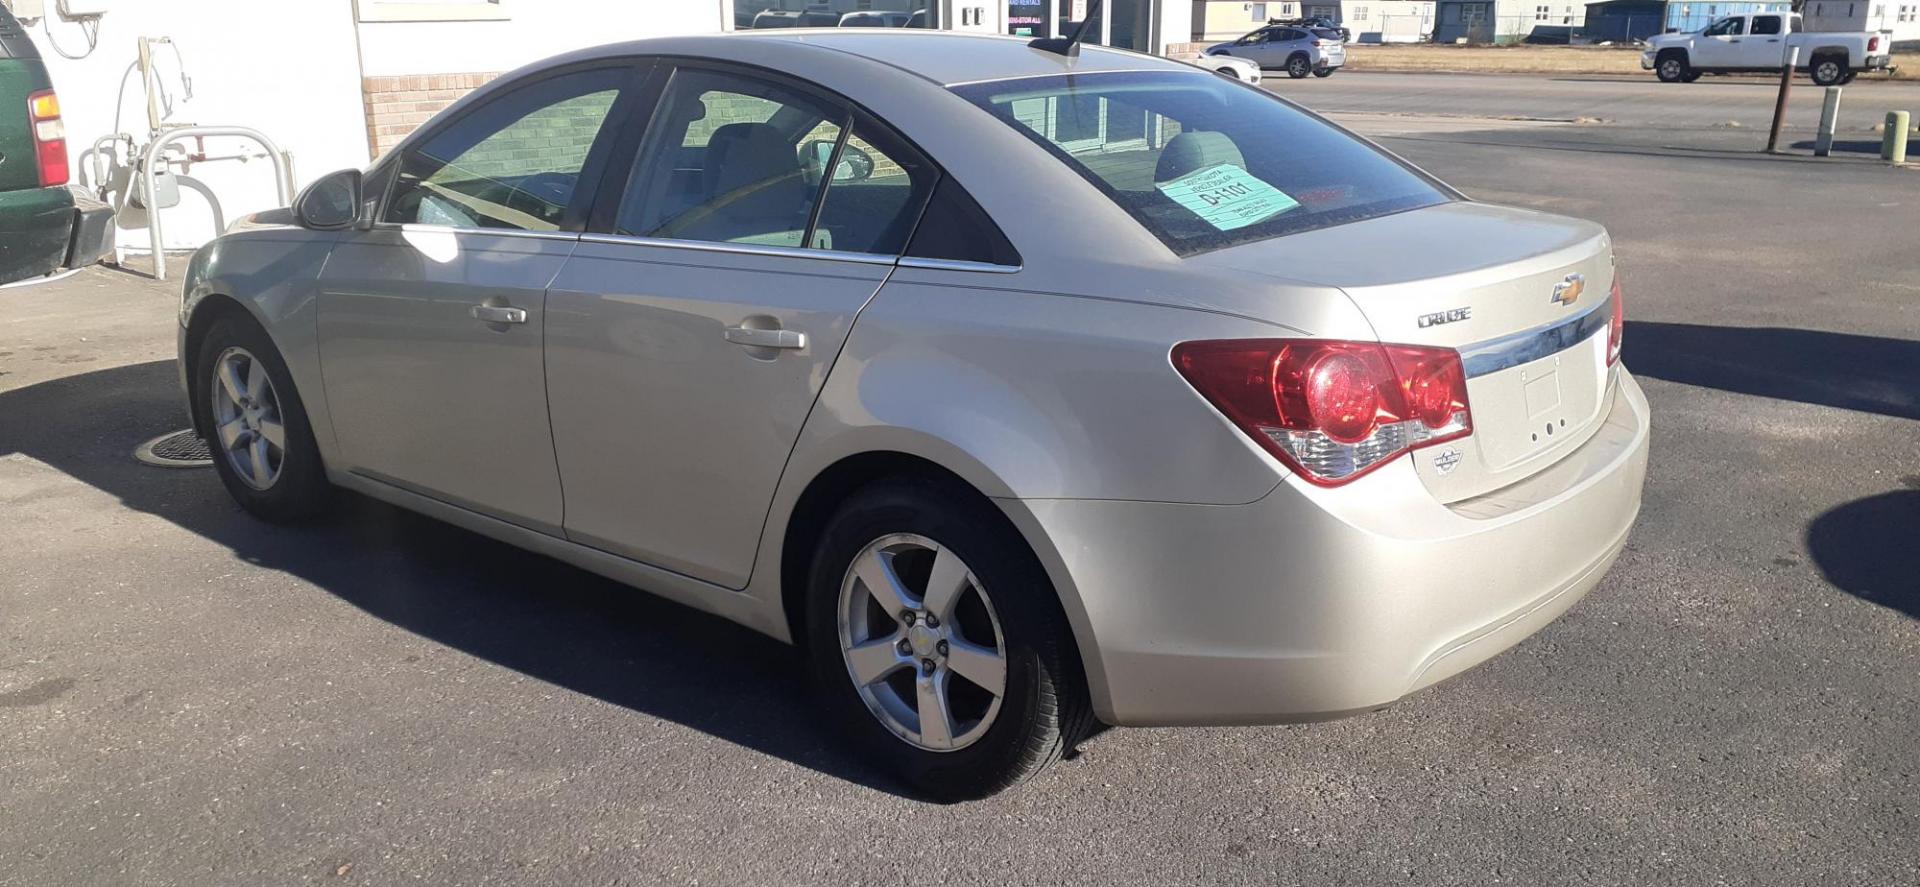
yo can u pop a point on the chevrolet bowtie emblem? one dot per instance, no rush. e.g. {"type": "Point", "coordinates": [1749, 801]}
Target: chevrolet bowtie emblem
{"type": "Point", "coordinates": [1568, 291]}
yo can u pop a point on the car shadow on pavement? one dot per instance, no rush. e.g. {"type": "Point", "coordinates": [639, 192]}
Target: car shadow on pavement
{"type": "Point", "coordinates": [523, 611]}
{"type": "Point", "coordinates": [1865, 547]}
{"type": "Point", "coordinates": [1867, 373]}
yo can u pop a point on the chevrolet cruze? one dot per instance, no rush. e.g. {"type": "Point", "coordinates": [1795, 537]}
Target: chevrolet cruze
{"type": "Point", "coordinates": [1022, 388]}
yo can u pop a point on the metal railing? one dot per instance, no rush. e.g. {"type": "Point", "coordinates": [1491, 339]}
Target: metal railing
{"type": "Point", "coordinates": [150, 161]}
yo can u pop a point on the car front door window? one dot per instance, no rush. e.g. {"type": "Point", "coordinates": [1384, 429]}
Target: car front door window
{"type": "Point", "coordinates": [513, 163]}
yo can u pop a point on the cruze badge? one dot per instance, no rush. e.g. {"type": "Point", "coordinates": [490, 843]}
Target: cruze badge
{"type": "Point", "coordinates": [1446, 460]}
{"type": "Point", "coordinates": [1568, 291]}
{"type": "Point", "coordinates": [1439, 317]}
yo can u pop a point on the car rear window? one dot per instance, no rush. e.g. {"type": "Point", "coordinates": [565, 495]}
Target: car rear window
{"type": "Point", "coordinates": [1203, 162]}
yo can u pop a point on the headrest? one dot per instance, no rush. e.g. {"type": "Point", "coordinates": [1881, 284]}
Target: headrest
{"type": "Point", "coordinates": [1194, 150]}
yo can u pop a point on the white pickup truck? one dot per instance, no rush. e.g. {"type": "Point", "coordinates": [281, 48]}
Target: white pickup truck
{"type": "Point", "coordinates": [1761, 42]}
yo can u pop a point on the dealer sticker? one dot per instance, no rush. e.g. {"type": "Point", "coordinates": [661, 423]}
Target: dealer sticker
{"type": "Point", "coordinates": [1227, 197]}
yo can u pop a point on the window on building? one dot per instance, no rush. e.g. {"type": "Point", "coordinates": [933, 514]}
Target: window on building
{"type": "Point", "coordinates": [511, 163]}
{"type": "Point", "coordinates": [752, 14]}
{"type": "Point", "coordinates": [1359, 13]}
{"type": "Point", "coordinates": [1259, 11]}
{"type": "Point", "coordinates": [1542, 13]}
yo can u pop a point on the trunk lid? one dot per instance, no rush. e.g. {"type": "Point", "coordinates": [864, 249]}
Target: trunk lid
{"type": "Point", "coordinates": [1522, 295]}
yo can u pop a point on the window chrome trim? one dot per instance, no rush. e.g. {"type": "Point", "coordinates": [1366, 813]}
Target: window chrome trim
{"type": "Point", "coordinates": [1527, 346]}
{"type": "Point", "coordinates": [743, 249]}
{"type": "Point", "coordinates": [957, 265]}
{"type": "Point", "coordinates": [492, 232]}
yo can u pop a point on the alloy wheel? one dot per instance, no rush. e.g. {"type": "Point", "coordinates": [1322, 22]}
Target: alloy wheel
{"type": "Point", "coordinates": [922, 642]}
{"type": "Point", "coordinates": [246, 418]}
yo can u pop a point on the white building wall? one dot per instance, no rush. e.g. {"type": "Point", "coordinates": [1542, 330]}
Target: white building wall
{"type": "Point", "coordinates": [526, 31]}
{"type": "Point", "coordinates": [286, 67]}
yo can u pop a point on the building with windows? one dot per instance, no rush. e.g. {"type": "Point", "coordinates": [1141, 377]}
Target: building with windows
{"type": "Point", "coordinates": [1388, 21]}
{"type": "Point", "coordinates": [1504, 21]}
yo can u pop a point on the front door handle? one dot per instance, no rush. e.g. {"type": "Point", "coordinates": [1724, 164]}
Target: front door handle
{"type": "Point", "coordinates": [499, 314]}
{"type": "Point", "coordinates": [756, 338]}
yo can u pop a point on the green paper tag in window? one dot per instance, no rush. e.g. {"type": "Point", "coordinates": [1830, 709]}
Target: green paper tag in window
{"type": "Point", "coordinates": [1227, 197]}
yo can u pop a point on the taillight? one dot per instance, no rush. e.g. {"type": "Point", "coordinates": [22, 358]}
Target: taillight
{"type": "Point", "coordinates": [49, 137]}
{"type": "Point", "coordinates": [1319, 42]}
{"type": "Point", "coordinates": [1617, 325]}
{"type": "Point", "coordinates": [1873, 43]}
{"type": "Point", "coordinates": [1331, 410]}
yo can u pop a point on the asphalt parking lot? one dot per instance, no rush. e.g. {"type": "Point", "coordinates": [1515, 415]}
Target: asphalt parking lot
{"type": "Point", "coordinates": [189, 696]}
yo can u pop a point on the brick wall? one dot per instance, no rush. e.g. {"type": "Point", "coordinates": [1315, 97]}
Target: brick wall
{"type": "Point", "coordinates": [397, 105]}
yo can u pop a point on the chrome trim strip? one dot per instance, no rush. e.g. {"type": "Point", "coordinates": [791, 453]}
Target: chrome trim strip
{"type": "Point", "coordinates": [1527, 346]}
{"type": "Point", "coordinates": [489, 232]}
{"type": "Point", "coordinates": [957, 265]}
{"type": "Point", "coordinates": [743, 249]}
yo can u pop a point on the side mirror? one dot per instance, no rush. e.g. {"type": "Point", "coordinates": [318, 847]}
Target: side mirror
{"type": "Point", "coordinates": [855, 165]}
{"type": "Point", "coordinates": [331, 203]}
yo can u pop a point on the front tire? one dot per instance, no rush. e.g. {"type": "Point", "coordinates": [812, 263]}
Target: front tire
{"type": "Point", "coordinates": [936, 639]}
{"type": "Point", "coordinates": [1299, 66]}
{"type": "Point", "coordinates": [1672, 67]}
{"type": "Point", "coordinates": [253, 421]}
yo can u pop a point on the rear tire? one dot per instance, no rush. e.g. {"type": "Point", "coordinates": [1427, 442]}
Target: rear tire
{"type": "Point", "coordinates": [1829, 71]}
{"type": "Point", "coordinates": [1672, 67]}
{"type": "Point", "coordinates": [1005, 604]}
{"type": "Point", "coordinates": [254, 422]}
{"type": "Point", "coordinates": [1299, 66]}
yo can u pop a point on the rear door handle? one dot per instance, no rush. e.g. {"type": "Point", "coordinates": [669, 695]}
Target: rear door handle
{"type": "Point", "coordinates": [754, 338]}
{"type": "Point", "coordinates": [499, 314]}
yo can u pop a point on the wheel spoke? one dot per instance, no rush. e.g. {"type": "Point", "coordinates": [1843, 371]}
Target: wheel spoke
{"type": "Point", "coordinates": [876, 573]}
{"type": "Point", "coordinates": [936, 722]}
{"type": "Point", "coordinates": [875, 659]}
{"type": "Point", "coordinates": [275, 433]}
{"type": "Point", "coordinates": [981, 665]}
{"type": "Point", "coordinates": [257, 461]}
{"type": "Point", "coordinates": [230, 381]}
{"type": "Point", "coordinates": [231, 432]}
{"type": "Point", "coordinates": [256, 380]}
{"type": "Point", "coordinates": [944, 584]}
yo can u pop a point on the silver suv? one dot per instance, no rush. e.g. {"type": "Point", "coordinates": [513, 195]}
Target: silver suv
{"type": "Point", "coordinates": [1298, 50]}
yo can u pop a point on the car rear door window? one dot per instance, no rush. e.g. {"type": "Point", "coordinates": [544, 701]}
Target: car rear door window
{"type": "Point", "coordinates": [512, 163]}
{"type": "Point", "coordinates": [1766, 24]}
{"type": "Point", "coordinates": [878, 188]}
{"type": "Point", "coordinates": [735, 158]}
{"type": "Point", "coordinates": [732, 159]}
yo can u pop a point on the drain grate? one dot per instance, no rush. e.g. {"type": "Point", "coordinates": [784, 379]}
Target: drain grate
{"type": "Point", "coordinates": [179, 449]}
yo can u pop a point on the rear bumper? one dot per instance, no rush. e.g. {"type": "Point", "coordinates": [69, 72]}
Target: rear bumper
{"type": "Point", "coordinates": [1312, 603]}
{"type": "Point", "coordinates": [35, 227]}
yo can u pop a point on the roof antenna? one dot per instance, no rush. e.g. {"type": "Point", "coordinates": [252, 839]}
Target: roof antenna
{"type": "Point", "coordinates": [1067, 46]}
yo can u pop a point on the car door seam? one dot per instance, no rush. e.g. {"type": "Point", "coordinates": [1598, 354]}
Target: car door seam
{"type": "Point", "coordinates": [826, 378]}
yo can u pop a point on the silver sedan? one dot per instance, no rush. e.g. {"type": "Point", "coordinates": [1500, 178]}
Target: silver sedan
{"type": "Point", "coordinates": [1022, 390]}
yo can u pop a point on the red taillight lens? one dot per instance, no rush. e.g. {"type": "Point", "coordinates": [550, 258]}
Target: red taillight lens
{"type": "Point", "coordinates": [49, 137]}
{"type": "Point", "coordinates": [1873, 43]}
{"type": "Point", "coordinates": [1617, 326]}
{"type": "Point", "coordinates": [1331, 410]}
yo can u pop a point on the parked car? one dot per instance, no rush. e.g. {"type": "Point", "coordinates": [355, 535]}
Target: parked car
{"type": "Point", "coordinates": [1014, 415]}
{"type": "Point", "coordinates": [1244, 70]}
{"type": "Point", "coordinates": [42, 227]}
{"type": "Point", "coordinates": [1297, 50]}
{"type": "Point", "coordinates": [1762, 42]}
